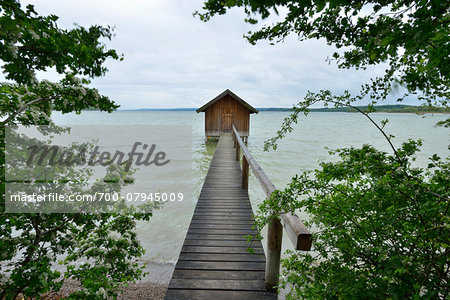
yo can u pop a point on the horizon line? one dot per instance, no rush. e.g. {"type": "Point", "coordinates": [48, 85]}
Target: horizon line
{"type": "Point", "coordinates": [272, 107]}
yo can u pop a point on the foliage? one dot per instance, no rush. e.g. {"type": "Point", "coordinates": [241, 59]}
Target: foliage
{"type": "Point", "coordinates": [32, 104]}
{"type": "Point", "coordinates": [381, 227]}
{"type": "Point", "coordinates": [31, 43]}
{"type": "Point", "coordinates": [410, 37]}
{"type": "Point", "coordinates": [445, 123]}
{"type": "Point", "coordinates": [99, 250]}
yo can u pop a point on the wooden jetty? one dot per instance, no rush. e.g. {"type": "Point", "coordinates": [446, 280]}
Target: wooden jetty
{"type": "Point", "coordinates": [214, 262]}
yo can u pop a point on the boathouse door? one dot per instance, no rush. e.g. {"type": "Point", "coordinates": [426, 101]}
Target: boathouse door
{"type": "Point", "coordinates": [227, 116]}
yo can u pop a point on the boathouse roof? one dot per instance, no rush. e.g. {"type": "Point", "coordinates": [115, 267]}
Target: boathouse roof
{"type": "Point", "coordinates": [223, 94]}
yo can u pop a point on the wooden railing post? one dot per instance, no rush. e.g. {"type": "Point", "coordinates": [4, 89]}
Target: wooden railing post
{"type": "Point", "coordinates": [238, 152]}
{"type": "Point", "coordinates": [274, 238]}
{"type": "Point", "coordinates": [244, 173]}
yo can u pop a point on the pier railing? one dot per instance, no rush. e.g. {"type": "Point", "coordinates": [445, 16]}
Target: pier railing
{"type": "Point", "coordinates": [296, 230]}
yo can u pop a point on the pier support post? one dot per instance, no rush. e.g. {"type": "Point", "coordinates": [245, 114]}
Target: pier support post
{"type": "Point", "coordinates": [274, 238]}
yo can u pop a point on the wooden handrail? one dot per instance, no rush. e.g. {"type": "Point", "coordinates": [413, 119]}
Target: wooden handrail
{"type": "Point", "coordinates": [296, 230]}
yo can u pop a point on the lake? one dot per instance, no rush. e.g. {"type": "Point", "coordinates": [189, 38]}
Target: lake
{"type": "Point", "coordinates": [163, 236]}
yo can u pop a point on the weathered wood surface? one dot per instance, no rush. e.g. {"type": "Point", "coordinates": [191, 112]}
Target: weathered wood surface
{"type": "Point", "coordinates": [296, 230]}
{"type": "Point", "coordinates": [214, 262]}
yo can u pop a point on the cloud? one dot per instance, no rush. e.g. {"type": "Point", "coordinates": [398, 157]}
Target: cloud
{"type": "Point", "coordinates": [174, 60]}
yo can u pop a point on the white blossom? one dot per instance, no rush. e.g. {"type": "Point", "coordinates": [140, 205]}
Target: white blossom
{"type": "Point", "coordinates": [12, 48]}
{"type": "Point", "coordinates": [33, 34]}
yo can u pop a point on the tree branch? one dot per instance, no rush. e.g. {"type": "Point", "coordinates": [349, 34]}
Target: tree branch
{"type": "Point", "coordinates": [24, 108]}
{"type": "Point", "coordinates": [373, 122]}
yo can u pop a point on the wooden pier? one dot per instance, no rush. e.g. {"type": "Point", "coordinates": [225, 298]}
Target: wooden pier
{"type": "Point", "coordinates": [214, 262]}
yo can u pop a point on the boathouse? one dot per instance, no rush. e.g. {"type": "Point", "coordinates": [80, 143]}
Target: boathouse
{"type": "Point", "coordinates": [223, 111]}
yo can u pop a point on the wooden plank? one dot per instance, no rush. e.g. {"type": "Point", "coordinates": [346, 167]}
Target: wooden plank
{"type": "Point", "coordinates": [214, 194]}
{"type": "Point", "coordinates": [214, 284]}
{"type": "Point", "coordinates": [228, 237]}
{"type": "Point", "coordinates": [222, 256]}
{"type": "Point", "coordinates": [221, 243]}
{"type": "Point", "coordinates": [224, 199]}
{"type": "Point", "coordinates": [218, 295]}
{"type": "Point", "coordinates": [208, 265]}
{"type": "Point", "coordinates": [229, 250]}
{"type": "Point", "coordinates": [229, 210]}
{"type": "Point", "coordinates": [221, 202]}
{"type": "Point", "coordinates": [221, 226]}
{"type": "Point", "coordinates": [241, 202]}
{"type": "Point", "coordinates": [224, 214]}
{"type": "Point", "coordinates": [223, 217]}
{"type": "Point", "coordinates": [218, 275]}
{"type": "Point", "coordinates": [232, 208]}
{"type": "Point", "coordinates": [224, 222]}
{"type": "Point", "coordinates": [222, 231]}
{"type": "Point", "coordinates": [223, 206]}
{"type": "Point", "coordinates": [200, 215]}
{"type": "Point", "coordinates": [224, 195]}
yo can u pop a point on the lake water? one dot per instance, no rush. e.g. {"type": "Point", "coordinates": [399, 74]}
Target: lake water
{"type": "Point", "coordinates": [163, 236]}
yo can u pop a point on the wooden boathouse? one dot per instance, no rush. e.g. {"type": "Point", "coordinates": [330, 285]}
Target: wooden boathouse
{"type": "Point", "coordinates": [225, 110]}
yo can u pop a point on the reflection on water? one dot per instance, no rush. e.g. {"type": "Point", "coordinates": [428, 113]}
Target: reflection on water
{"type": "Point", "coordinates": [163, 236]}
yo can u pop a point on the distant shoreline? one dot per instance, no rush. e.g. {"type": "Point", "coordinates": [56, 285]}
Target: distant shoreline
{"type": "Point", "coordinates": [395, 108]}
{"type": "Point", "coordinates": [398, 108]}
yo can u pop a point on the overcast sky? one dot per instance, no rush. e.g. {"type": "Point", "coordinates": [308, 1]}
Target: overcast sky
{"type": "Point", "coordinates": [173, 60]}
